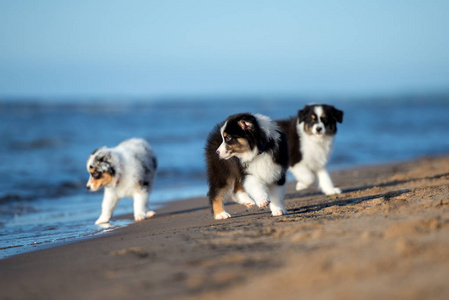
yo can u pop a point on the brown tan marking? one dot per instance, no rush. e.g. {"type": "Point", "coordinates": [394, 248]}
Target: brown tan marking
{"type": "Point", "coordinates": [104, 180]}
{"type": "Point", "coordinates": [217, 204]}
{"type": "Point", "coordinates": [308, 128]}
{"type": "Point", "coordinates": [240, 146]}
{"type": "Point", "coordinates": [238, 186]}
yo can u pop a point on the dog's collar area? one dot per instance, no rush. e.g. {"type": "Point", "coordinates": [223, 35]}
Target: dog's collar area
{"type": "Point", "coordinates": [263, 148]}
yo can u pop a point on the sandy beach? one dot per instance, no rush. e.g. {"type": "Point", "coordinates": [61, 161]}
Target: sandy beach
{"type": "Point", "coordinates": [385, 237]}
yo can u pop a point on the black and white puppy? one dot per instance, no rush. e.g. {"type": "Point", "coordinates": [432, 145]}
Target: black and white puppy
{"type": "Point", "coordinates": [128, 170]}
{"type": "Point", "coordinates": [247, 153]}
{"type": "Point", "coordinates": [310, 137]}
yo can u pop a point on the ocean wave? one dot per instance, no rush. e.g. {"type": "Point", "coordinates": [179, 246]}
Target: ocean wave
{"type": "Point", "coordinates": [178, 172]}
{"type": "Point", "coordinates": [41, 143]}
{"type": "Point", "coordinates": [8, 198]}
{"type": "Point", "coordinates": [43, 190]}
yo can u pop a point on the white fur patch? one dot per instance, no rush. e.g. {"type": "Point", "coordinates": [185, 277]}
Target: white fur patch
{"type": "Point", "coordinates": [222, 151]}
{"type": "Point", "coordinates": [319, 128]}
{"type": "Point", "coordinates": [248, 157]}
{"type": "Point", "coordinates": [264, 168]}
{"type": "Point", "coordinates": [222, 216]}
{"type": "Point", "coordinates": [243, 198]}
{"type": "Point", "coordinates": [277, 206]}
{"type": "Point", "coordinates": [268, 126]}
{"type": "Point", "coordinates": [315, 149]}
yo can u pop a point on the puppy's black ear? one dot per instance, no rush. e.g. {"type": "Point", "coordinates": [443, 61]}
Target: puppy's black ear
{"type": "Point", "coordinates": [338, 115]}
{"type": "Point", "coordinates": [104, 156]}
{"type": "Point", "coordinates": [246, 124]}
{"type": "Point", "coordinates": [105, 167]}
{"type": "Point", "coordinates": [98, 149]}
{"type": "Point", "coordinates": [303, 113]}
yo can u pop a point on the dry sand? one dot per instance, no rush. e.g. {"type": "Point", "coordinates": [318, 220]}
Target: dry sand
{"type": "Point", "coordinates": [386, 236]}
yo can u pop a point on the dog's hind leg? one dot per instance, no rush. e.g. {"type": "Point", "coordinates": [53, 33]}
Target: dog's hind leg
{"type": "Point", "coordinates": [216, 200]}
{"type": "Point", "coordinates": [140, 204]}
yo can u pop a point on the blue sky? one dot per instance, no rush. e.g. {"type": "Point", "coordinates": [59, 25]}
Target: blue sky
{"type": "Point", "coordinates": [212, 48]}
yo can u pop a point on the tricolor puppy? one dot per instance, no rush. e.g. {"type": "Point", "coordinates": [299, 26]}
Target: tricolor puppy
{"type": "Point", "coordinates": [310, 137]}
{"type": "Point", "coordinates": [127, 170]}
{"type": "Point", "coordinates": [247, 153]}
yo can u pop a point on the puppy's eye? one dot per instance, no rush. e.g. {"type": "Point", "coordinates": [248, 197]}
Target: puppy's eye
{"type": "Point", "coordinates": [228, 138]}
{"type": "Point", "coordinates": [96, 175]}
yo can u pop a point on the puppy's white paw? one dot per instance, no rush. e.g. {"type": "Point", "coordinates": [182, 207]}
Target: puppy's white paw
{"type": "Point", "coordinates": [263, 202]}
{"type": "Point", "coordinates": [102, 220]}
{"type": "Point", "coordinates": [243, 199]}
{"type": "Point", "coordinates": [278, 211]}
{"type": "Point", "coordinates": [139, 216]}
{"type": "Point", "coordinates": [249, 204]}
{"type": "Point", "coordinates": [333, 191]}
{"type": "Point", "coordinates": [301, 186]}
{"type": "Point", "coordinates": [222, 216]}
{"type": "Point", "coordinates": [142, 215]}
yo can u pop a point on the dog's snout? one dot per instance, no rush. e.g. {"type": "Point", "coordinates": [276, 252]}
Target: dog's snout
{"type": "Point", "coordinates": [88, 187]}
{"type": "Point", "coordinates": [319, 129]}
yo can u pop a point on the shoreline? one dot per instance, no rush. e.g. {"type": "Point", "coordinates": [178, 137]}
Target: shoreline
{"type": "Point", "coordinates": [385, 236]}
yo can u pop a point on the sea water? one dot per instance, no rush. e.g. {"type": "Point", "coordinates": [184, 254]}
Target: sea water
{"type": "Point", "coordinates": [44, 146]}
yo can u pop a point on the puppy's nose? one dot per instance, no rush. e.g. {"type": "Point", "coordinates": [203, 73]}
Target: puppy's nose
{"type": "Point", "coordinates": [88, 187]}
{"type": "Point", "coordinates": [217, 152]}
{"type": "Point", "coordinates": [319, 129]}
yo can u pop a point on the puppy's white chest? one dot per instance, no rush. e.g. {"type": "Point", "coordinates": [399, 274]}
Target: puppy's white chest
{"type": "Point", "coordinates": [315, 151]}
{"type": "Point", "coordinates": [125, 190]}
{"type": "Point", "coordinates": [264, 168]}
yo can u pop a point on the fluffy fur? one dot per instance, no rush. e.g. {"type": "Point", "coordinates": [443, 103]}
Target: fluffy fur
{"type": "Point", "coordinates": [128, 170]}
{"type": "Point", "coordinates": [310, 137]}
{"type": "Point", "coordinates": [248, 154]}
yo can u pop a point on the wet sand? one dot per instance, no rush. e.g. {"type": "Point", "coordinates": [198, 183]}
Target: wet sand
{"type": "Point", "coordinates": [386, 236]}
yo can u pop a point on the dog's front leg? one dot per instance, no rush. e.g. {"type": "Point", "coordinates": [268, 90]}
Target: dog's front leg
{"type": "Point", "coordinates": [303, 176]}
{"type": "Point", "coordinates": [110, 200]}
{"type": "Point", "coordinates": [325, 183]}
{"type": "Point", "coordinates": [257, 190]}
{"type": "Point", "coordinates": [277, 194]}
{"type": "Point", "coordinates": [240, 196]}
